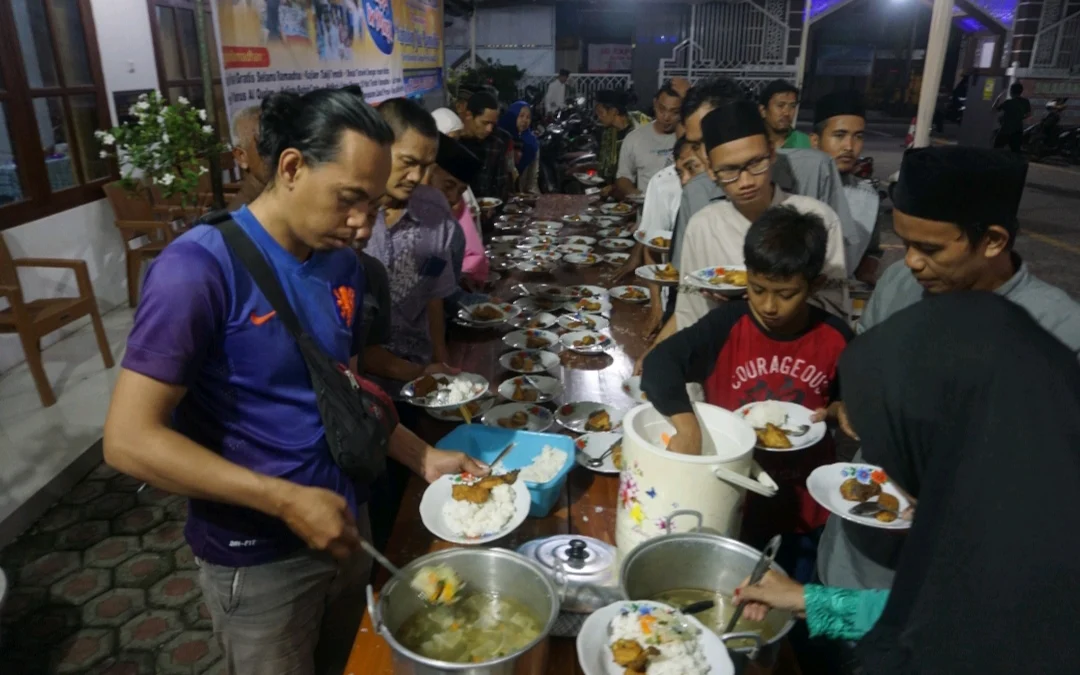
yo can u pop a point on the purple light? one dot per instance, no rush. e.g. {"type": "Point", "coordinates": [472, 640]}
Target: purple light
{"type": "Point", "coordinates": [1002, 10]}
{"type": "Point", "coordinates": [969, 25]}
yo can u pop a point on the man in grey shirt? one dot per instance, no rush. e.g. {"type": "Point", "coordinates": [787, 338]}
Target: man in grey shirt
{"type": "Point", "coordinates": [956, 213]}
{"type": "Point", "coordinates": [648, 148]}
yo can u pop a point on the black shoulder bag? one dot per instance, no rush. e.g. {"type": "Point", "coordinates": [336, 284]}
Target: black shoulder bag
{"type": "Point", "coordinates": [357, 415]}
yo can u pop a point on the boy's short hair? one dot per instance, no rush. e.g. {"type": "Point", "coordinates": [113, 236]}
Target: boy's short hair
{"type": "Point", "coordinates": [776, 87]}
{"type": "Point", "coordinates": [784, 243]}
{"type": "Point", "coordinates": [481, 101]}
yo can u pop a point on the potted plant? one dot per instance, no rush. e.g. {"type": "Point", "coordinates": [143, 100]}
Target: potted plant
{"type": "Point", "coordinates": [166, 145]}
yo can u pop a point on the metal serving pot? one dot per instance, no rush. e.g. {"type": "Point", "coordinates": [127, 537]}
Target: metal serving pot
{"type": "Point", "coordinates": [484, 570]}
{"type": "Point", "coordinates": [709, 562]}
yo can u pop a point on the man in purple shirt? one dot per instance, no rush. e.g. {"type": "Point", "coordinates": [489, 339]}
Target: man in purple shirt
{"type": "Point", "coordinates": [215, 402]}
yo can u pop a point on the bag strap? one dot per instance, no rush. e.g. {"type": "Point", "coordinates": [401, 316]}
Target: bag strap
{"type": "Point", "coordinates": [260, 270]}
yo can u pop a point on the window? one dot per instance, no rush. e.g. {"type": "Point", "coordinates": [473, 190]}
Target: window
{"type": "Point", "coordinates": [176, 48]}
{"type": "Point", "coordinates": [52, 100]}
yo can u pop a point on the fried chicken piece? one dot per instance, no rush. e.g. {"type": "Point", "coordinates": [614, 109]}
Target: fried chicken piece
{"type": "Point", "coordinates": [535, 323]}
{"type": "Point", "coordinates": [522, 361]}
{"type": "Point", "coordinates": [535, 342]}
{"type": "Point", "coordinates": [667, 273]}
{"type": "Point", "coordinates": [598, 421]}
{"type": "Point", "coordinates": [854, 491]}
{"type": "Point", "coordinates": [427, 384]}
{"type": "Point", "coordinates": [888, 501]}
{"type": "Point", "coordinates": [586, 341]}
{"type": "Point", "coordinates": [588, 305]}
{"type": "Point", "coordinates": [662, 242]}
{"type": "Point", "coordinates": [735, 277]}
{"type": "Point", "coordinates": [487, 313]}
{"type": "Point", "coordinates": [634, 294]}
{"type": "Point", "coordinates": [523, 394]}
{"type": "Point", "coordinates": [518, 420]}
{"type": "Point", "coordinates": [626, 652]}
{"type": "Point", "coordinates": [574, 325]}
{"type": "Point", "coordinates": [492, 481]}
{"type": "Point", "coordinates": [616, 455]}
{"type": "Point", "coordinates": [773, 436]}
{"type": "Point", "coordinates": [475, 494]}
{"type": "Point", "coordinates": [885, 516]}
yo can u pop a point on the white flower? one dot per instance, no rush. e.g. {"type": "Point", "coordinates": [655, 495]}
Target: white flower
{"type": "Point", "coordinates": [103, 155]}
{"type": "Point", "coordinates": [203, 169]}
{"type": "Point", "coordinates": [202, 114]}
{"type": "Point", "coordinates": [207, 129]}
{"type": "Point", "coordinates": [107, 139]}
{"type": "Point", "coordinates": [98, 134]}
{"type": "Point", "coordinates": [167, 179]}
{"type": "Point", "coordinates": [164, 138]}
{"type": "Point", "coordinates": [182, 101]}
{"type": "Point", "coordinates": [161, 119]}
{"type": "Point", "coordinates": [142, 105]}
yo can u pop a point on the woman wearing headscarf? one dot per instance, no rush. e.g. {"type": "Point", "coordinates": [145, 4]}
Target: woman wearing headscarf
{"type": "Point", "coordinates": [468, 215]}
{"type": "Point", "coordinates": [974, 410]}
{"type": "Point", "coordinates": [517, 121]}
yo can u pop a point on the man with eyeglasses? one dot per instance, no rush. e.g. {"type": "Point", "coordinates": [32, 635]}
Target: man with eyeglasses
{"type": "Point", "coordinates": [741, 158]}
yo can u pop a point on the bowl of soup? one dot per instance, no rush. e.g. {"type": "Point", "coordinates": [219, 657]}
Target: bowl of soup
{"type": "Point", "coordinates": [499, 624]}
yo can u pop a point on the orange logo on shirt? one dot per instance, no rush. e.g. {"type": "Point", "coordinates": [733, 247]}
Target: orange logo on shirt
{"type": "Point", "coordinates": [260, 320]}
{"type": "Point", "coordinates": [345, 298]}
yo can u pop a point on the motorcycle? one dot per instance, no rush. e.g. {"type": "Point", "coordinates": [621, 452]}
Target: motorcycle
{"type": "Point", "coordinates": [864, 169]}
{"type": "Point", "coordinates": [567, 147]}
{"type": "Point", "coordinates": [1047, 137]}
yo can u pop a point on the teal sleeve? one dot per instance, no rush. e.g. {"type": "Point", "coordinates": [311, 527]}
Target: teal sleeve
{"type": "Point", "coordinates": [842, 613]}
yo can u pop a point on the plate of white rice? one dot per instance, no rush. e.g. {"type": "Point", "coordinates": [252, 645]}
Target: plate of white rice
{"type": "Point", "coordinates": [685, 645]}
{"type": "Point", "coordinates": [462, 522]}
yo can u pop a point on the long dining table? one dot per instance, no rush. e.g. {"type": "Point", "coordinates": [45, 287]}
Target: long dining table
{"type": "Point", "coordinates": [587, 502]}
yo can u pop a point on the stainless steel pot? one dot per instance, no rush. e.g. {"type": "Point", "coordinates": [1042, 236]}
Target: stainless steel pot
{"type": "Point", "coordinates": [708, 562]}
{"type": "Point", "coordinates": [484, 570]}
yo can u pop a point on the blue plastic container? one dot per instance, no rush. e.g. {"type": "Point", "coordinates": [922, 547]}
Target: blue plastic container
{"type": "Point", "coordinates": [485, 443]}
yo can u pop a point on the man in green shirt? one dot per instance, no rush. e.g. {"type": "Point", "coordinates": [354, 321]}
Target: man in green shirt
{"type": "Point", "coordinates": [616, 124]}
{"type": "Point", "coordinates": [778, 103]}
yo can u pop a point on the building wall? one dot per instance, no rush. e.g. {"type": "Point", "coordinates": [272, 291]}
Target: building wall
{"type": "Point", "coordinates": [87, 232]}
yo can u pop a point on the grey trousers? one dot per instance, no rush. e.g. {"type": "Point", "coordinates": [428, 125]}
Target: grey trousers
{"type": "Point", "coordinates": [295, 616]}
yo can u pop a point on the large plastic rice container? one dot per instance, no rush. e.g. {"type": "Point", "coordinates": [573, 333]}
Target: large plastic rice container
{"type": "Point", "coordinates": [485, 443]}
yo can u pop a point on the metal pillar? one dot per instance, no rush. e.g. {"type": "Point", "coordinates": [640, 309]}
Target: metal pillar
{"type": "Point", "coordinates": [208, 96]}
{"type": "Point", "coordinates": [936, 45]}
{"type": "Point", "coordinates": [690, 46]}
{"type": "Point", "coordinates": [804, 42]}
{"type": "Point", "coordinates": [472, 39]}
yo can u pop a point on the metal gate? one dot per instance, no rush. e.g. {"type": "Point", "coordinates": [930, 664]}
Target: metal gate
{"type": "Point", "coordinates": [746, 40]}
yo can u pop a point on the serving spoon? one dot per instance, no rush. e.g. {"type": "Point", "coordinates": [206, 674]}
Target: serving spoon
{"type": "Point", "coordinates": [597, 462]}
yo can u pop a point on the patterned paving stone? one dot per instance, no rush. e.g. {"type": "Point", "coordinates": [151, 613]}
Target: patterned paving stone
{"type": "Point", "coordinates": [45, 628]}
{"type": "Point", "coordinates": [197, 615]}
{"type": "Point", "coordinates": [111, 552]}
{"type": "Point", "coordinates": [57, 518]}
{"type": "Point", "coordinates": [175, 590]}
{"type": "Point", "coordinates": [22, 600]}
{"type": "Point", "coordinates": [143, 570]}
{"type": "Point", "coordinates": [177, 510]}
{"type": "Point", "coordinates": [150, 630]}
{"type": "Point", "coordinates": [76, 589]}
{"type": "Point", "coordinates": [219, 668]}
{"type": "Point", "coordinates": [190, 653]}
{"type": "Point", "coordinates": [84, 649]}
{"type": "Point", "coordinates": [82, 535]}
{"type": "Point", "coordinates": [127, 663]}
{"type": "Point", "coordinates": [85, 492]}
{"type": "Point", "coordinates": [114, 608]}
{"type": "Point", "coordinates": [26, 549]}
{"type": "Point", "coordinates": [185, 558]}
{"type": "Point", "coordinates": [168, 536]}
{"type": "Point", "coordinates": [50, 567]}
{"type": "Point", "coordinates": [110, 505]}
{"type": "Point", "coordinates": [124, 483]}
{"type": "Point", "coordinates": [152, 496]}
{"type": "Point", "coordinates": [138, 520]}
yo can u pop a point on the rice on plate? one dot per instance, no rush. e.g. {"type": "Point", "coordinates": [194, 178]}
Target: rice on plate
{"type": "Point", "coordinates": [766, 412]}
{"type": "Point", "coordinates": [658, 638]}
{"type": "Point", "coordinates": [545, 466]}
{"type": "Point", "coordinates": [467, 519]}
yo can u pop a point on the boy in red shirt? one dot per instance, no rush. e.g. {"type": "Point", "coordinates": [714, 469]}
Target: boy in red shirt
{"type": "Point", "coordinates": [774, 345]}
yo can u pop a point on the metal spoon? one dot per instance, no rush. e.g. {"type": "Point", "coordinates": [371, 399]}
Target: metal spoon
{"type": "Point", "coordinates": [698, 607]}
{"type": "Point", "coordinates": [870, 509]}
{"type": "Point", "coordinates": [597, 462]}
{"type": "Point", "coordinates": [763, 564]}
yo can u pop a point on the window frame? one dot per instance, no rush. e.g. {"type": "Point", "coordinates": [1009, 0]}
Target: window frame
{"type": "Point", "coordinates": [166, 85]}
{"type": "Point", "coordinates": [39, 199]}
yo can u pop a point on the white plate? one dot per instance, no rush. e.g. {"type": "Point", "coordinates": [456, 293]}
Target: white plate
{"type": "Point", "coordinates": [567, 249]}
{"type": "Point", "coordinates": [547, 387]}
{"type": "Point", "coordinates": [506, 239]}
{"type": "Point", "coordinates": [648, 273]}
{"type": "Point", "coordinates": [441, 491]}
{"type": "Point", "coordinates": [797, 416]}
{"type": "Point", "coordinates": [509, 225]}
{"type": "Point", "coordinates": [616, 258]}
{"type": "Point", "coordinates": [582, 259]}
{"type": "Point", "coordinates": [479, 388]}
{"type": "Point", "coordinates": [595, 444]}
{"type": "Point", "coordinates": [534, 266]}
{"type": "Point", "coordinates": [700, 278]}
{"type": "Point", "coordinates": [645, 238]}
{"type": "Point", "coordinates": [517, 339]}
{"type": "Point", "coordinates": [539, 303]}
{"type": "Point", "coordinates": [454, 414]}
{"type": "Point", "coordinates": [621, 210]}
{"type": "Point", "coordinates": [598, 305]}
{"type": "Point", "coordinates": [587, 291]}
{"type": "Point", "coordinates": [550, 257]}
{"type": "Point", "coordinates": [539, 418]}
{"type": "Point", "coordinates": [542, 361]}
{"type": "Point", "coordinates": [546, 225]}
{"type": "Point", "coordinates": [589, 179]}
{"type": "Point", "coordinates": [622, 245]}
{"type": "Point", "coordinates": [613, 222]}
{"type": "Point", "coordinates": [619, 291]}
{"type": "Point", "coordinates": [544, 320]}
{"type": "Point", "coordinates": [573, 416]}
{"type": "Point", "coordinates": [636, 198]}
{"type": "Point", "coordinates": [519, 209]}
{"type": "Point", "coordinates": [631, 386]}
{"type": "Point", "coordinates": [580, 240]}
{"type": "Point", "coordinates": [508, 312]}
{"type": "Point", "coordinates": [529, 243]}
{"type": "Point", "coordinates": [489, 203]}
{"type": "Point", "coordinates": [594, 639]}
{"type": "Point", "coordinates": [598, 322]}
{"type": "Point", "coordinates": [577, 219]}
{"type": "Point", "coordinates": [824, 486]}
{"type": "Point", "coordinates": [602, 343]}
{"type": "Point", "coordinates": [615, 232]}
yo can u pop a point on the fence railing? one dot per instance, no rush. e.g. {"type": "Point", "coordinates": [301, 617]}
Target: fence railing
{"type": "Point", "coordinates": [1057, 46]}
{"type": "Point", "coordinates": [579, 84]}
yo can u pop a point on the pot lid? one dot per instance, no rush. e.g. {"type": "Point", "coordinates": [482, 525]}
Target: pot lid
{"type": "Point", "coordinates": [586, 564]}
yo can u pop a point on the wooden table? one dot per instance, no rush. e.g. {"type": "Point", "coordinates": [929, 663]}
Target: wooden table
{"type": "Point", "coordinates": [586, 505]}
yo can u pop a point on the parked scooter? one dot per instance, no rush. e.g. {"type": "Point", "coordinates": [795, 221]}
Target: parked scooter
{"type": "Point", "coordinates": [567, 147]}
{"type": "Point", "coordinates": [1047, 137]}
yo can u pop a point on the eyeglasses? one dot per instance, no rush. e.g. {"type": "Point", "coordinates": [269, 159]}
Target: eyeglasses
{"type": "Point", "coordinates": [754, 167]}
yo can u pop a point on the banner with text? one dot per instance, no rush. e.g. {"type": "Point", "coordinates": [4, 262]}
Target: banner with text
{"type": "Point", "coordinates": [610, 58]}
{"type": "Point", "coordinates": [388, 47]}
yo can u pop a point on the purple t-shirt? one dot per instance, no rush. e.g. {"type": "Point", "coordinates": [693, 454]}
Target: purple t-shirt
{"type": "Point", "coordinates": [202, 323]}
